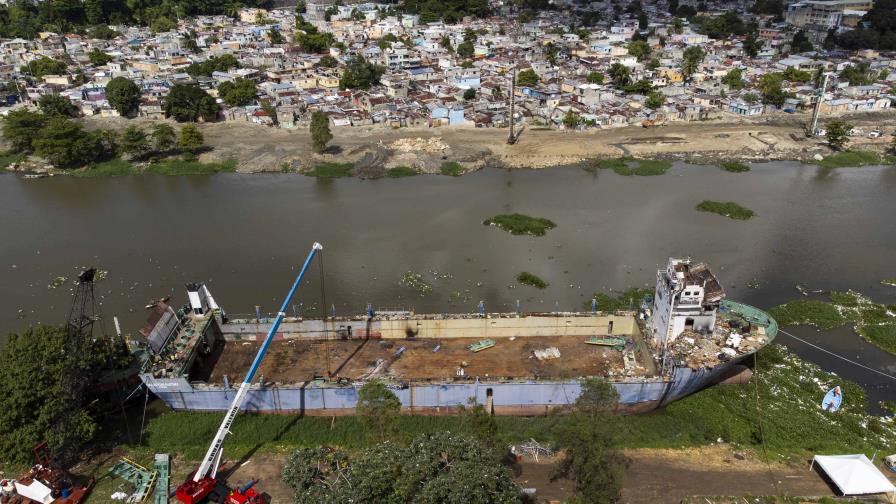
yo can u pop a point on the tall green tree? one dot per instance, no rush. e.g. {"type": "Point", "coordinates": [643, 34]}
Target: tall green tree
{"type": "Point", "coordinates": [595, 78]}
{"type": "Point", "coordinates": [621, 75]}
{"type": "Point", "coordinates": [65, 144]}
{"type": "Point", "coordinates": [55, 105]}
{"type": "Point", "coordinates": [379, 408]}
{"type": "Point", "coordinates": [655, 100]}
{"type": "Point", "coordinates": [360, 73]}
{"type": "Point", "coordinates": [163, 137]}
{"type": "Point", "coordinates": [133, 142]}
{"type": "Point", "coordinates": [238, 92]}
{"type": "Point", "coordinates": [190, 141]}
{"type": "Point", "coordinates": [837, 134]}
{"type": "Point", "coordinates": [527, 77]}
{"type": "Point", "coordinates": [692, 58]}
{"type": "Point", "coordinates": [587, 437]}
{"type": "Point", "coordinates": [44, 66]}
{"type": "Point", "coordinates": [123, 95]}
{"type": "Point", "coordinates": [734, 79]}
{"type": "Point", "coordinates": [98, 58]}
{"type": "Point", "coordinates": [187, 103]}
{"type": "Point", "coordinates": [320, 131]}
{"type": "Point", "coordinates": [21, 127]}
{"type": "Point", "coordinates": [639, 49]}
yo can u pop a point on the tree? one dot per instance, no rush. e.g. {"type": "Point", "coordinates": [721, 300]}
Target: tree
{"type": "Point", "coordinates": [123, 95]}
{"type": "Point", "coordinates": [469, 94]}
{"type": "Point", "coordinates": [795, 75]}
{"type": "Point", "coordinates": [551, 51]}
{"type": "Point", "coordinates": [238, 92]}
{"type": "Point", "coordinates": [379, 408]}
{"type": "Point", "coordinates": [65, 144]}
{"type": "Point", "coordinates": [571, 120]}
{"type": "Point", "coordinates": [527, 77]}
{"type": "Point", "coordinates": [320, 131]}
{"type": "Point", "coordinates": [641, 87]}
{"type": "Point", "coordinates": [162, 24]}
{"type": "Point", "coordinates": [213, 64]}
{"type": "Point", "coordinates": [587, 437]}
{"type": "Point", "coordinates": [595, 78]}
{"type": "Point", "coordinates": [189, 103]}
{"type": "Point", "coordinates": [621, 75]}
{"type": "Point", "coordinates": [772, 91]}
{"type": "Point", "coordinates": [133, 142]}
{"type": "Point", "coordinates": [751, 98]}
{"type": "Point", "coordinates": [275, 37]}
{"type": "Point", "coordinates": [21, 127]}
{"type": "Point", "coordinates": [752, 45]}
{"type": "Point", "coordinates": [692, 58]}
{"type": "Point", "coordinates": [800, 43]}
{"type": "Point", "coordinates": [480, 422]}
{"type": "Point", "coordinates": [328, 62]}
{"type": "Point", "coordinates": [856, 75]}
{"type": "Point", "coordinates": [43, 66]}
{"type": "Point", "coordinates": [34, 393]}
{"type": "Point", "coordinates": [434, 468]}
{"type": "Point", "coordinates": [98, 58]}
{"type": "Point", "coordinates": [190, 141]}
{"type": "Point", "coordinates": [673, 7]}
{"type": "Point", "coordinates": [55, 105]}
{"type": "Point", "coordinates": [655, 100]}
{"type": "Point", "coordinates": [93, 12]}
{"type": "Point", "coordinates": [639, 49]}
{"type": "Point", "coordinates": [163, 137]}
{"type": "Point", "coordinates": [360, 73]}
{"type": "Point", "coordinates": [837, 134]}
{"type": "Point", "coordinates": [465, 50]}
{"type": "Point", "coordinates": [734, 79]}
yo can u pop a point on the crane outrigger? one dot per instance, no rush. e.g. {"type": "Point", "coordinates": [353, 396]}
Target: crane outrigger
{"type": "Point", "coordinates": [204, 480]}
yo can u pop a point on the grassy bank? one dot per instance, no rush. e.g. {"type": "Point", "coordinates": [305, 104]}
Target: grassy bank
{"type": "Point", "coordinates": [873, 321]}
{"type": "Point", "coordinates": [852, 159]}
{"type": "Point", "coordinates": [789, 395]}
{"type": "Point", "coordinates": [728, 209]}
{"type": "Point", "coordinates": [7, 158]}
{"type": "Point", "coordinates": [520, 224]}
{"type": "Point", "coordinates": [120, 167]}
{"type": "Point", "coordinates": [734, 167]}
{"type": "Point", "coordinates": [527, 278]}
{"type": "Point", "coordinates": [629, 166]}
{"type": "Point", "coordinates": [401, 171]}
{"type": "Point", "coordinates": [331, 170]}
{"type": "Point", "coordinates": [452, 169]}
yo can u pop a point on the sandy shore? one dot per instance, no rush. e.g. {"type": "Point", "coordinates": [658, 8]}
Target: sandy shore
{"type": "Point", "coordinates": [259, 148]}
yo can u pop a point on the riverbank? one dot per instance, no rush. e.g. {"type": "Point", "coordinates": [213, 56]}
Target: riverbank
{"type": "Point", "coordinates": [373, 151]}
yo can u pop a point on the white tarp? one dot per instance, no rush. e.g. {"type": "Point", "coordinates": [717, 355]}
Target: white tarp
{"type": "Point", "coordinates": [35, 491]}
{"type": "Point", "coordinates": [854, 474]}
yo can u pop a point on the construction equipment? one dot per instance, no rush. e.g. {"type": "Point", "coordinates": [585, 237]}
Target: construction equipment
{"type": "Point", "coordinates": [140, 477]}
{"type": "Point", "coordinates": [204, 480]}
{"type": "Point", "coordinates": [45, 482]}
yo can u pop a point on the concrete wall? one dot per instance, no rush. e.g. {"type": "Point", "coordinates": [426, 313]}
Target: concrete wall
{"type": "Point", "coordinates": [472, 327]}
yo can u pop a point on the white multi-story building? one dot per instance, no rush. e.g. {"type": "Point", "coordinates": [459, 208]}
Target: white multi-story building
{"type": "Point", "coordinates": [823, 14]}
{"type": "Point", "coordinates": [687, 298]}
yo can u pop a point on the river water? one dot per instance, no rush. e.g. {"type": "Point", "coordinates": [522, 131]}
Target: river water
{"type": "Point", "coordinates": [246, 235]}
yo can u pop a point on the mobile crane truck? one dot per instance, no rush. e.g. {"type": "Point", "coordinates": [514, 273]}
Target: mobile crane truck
{"type": "Point", "coordinates": [204, 480]}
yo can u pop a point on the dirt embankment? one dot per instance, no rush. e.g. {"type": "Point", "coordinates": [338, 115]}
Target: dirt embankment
{"type": "Point", "coordinates": [374, 149]}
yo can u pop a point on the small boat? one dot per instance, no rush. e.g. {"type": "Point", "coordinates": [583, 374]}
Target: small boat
{"type": "Point", "coordinates": [35, 175]}
{"type": "Point", "coordinates": [832, 400]}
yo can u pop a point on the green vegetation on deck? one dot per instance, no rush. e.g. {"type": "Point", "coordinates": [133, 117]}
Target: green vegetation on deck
{"type": "Point", "coordinates": [519, 224]}
{"type": "Point", "coordinates": [331, 170]}
{"type": "Point", "coordinates": [873, 321]}
{"type": "Point", "coordinates": [789, 397]}
{"type": "Point", "coordinates": [852, 159]}
{"type": "Point", "coordinates": [734, 166]}
{"type": "Point", "coordinates": [629, 166]}
{"type": "Point", "coordinates": [728, 209]}
{"type": "Point", "coordinates": [527, 278]}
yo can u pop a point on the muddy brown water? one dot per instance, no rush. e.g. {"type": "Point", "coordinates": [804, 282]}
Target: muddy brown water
{"type": "Point", "coordinates": [246, 235]}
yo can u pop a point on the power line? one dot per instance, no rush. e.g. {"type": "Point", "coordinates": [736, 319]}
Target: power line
{"type": "Point", "coordinates": [839, 356]}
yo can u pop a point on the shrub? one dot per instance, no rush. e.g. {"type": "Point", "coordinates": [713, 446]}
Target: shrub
{"type": "Point", "coordinates": [527, 278]}
{"type": "Point", "coordinates": [728, 209]}
{"type": "Point", "coordinates": [519, 224]}
{"type": "Point", "coordinates": [331, 170]}
{"type": "Point", "coordinates": [452, 168]}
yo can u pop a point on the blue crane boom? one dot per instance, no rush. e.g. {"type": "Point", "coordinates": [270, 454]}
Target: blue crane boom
{"type": "Point", "coordinates": [204, 478]}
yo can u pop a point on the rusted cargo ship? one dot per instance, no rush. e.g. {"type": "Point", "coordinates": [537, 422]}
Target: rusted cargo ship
{"type": "Point", "coordinates": [686, 337]}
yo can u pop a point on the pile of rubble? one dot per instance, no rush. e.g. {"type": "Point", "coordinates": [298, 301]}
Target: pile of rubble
{"type": "Point", "coordinates": [430, 145]}
{"type": "Point", "coordinates": [726, 342]}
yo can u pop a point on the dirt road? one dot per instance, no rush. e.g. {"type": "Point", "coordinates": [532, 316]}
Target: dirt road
{"type": "Point", "coordinates": [259, 148]}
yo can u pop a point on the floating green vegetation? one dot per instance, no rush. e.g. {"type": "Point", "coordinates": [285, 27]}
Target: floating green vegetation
{"type": "Point", "coordinates": [728, 209]}
{"type": "Point", "coordinates": [852, 159]}
{"type": "Point", "coordinates": [873, 321]}
{"type": "Point", "coordinates": [452, 169]}
{"type": "Point", "coordinates": [182, 167]}
{"type": "Point", "coordinates": [527, 278]}
{"type": "Point", "coordinates": [734, 166]}
{"type": "Point", "coordinates": [401, 171]}
{"type": "Point", "coordinates": [7, 158]}
{"type": "Point", "coordinates": [519, 224]}
{"type": "Point", "coordinates": [57, 282]}
{"type": "Point", "coordinates": [785, 395]}
{"type": "Point", "coordinates": [416, 282]}
{"type": "Point", "coordinates": [112, 168]}
{"type": "Point", "coordinates": [629, 166]}
{"type": "Point", "coordinates": [331, 170]}
{"type": "Point", "coordinates": [889, 281]}
{"type": "Point", "coordinates": [628, 300]}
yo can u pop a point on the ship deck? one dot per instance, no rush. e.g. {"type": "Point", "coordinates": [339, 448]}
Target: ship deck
{"type": "Point", "coordinates": [297, 360]}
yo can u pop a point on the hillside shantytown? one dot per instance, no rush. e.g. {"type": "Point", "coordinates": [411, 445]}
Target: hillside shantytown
{"type": "Point", "coordinates": [576, 65]}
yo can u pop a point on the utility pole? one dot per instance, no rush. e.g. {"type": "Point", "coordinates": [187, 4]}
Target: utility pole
{"type": "Point", "coordinates": [512, 138]}
{"type": "Point", "coordinates": [814, 126]}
